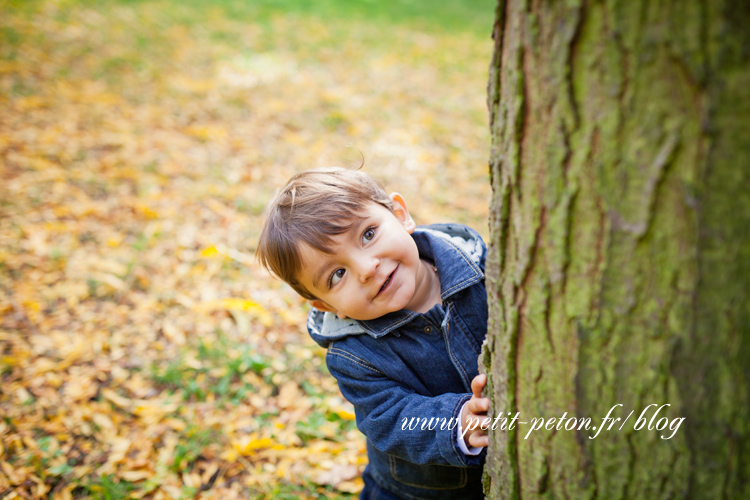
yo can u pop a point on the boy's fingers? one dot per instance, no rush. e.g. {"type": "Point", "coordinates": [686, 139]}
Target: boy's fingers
{"type": "Point", "coordinates": [478, 384]}
{"type": "Point", "coordinates": [479, 405]}
{"type": "Point", "coordinates": [479, 440]}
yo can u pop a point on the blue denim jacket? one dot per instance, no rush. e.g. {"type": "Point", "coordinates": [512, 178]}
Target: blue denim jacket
{"type": "Point", "coordinates": [407, 364]}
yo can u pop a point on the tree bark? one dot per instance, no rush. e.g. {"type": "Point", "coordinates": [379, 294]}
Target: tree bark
{"type": "Point", "coordinates": [619, 263]}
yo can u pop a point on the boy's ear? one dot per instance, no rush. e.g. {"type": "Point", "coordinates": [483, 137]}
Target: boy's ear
{"type": "Point", "coordinates": [402, 213]}
{"type": "Point", "coordinates": [322, 306]}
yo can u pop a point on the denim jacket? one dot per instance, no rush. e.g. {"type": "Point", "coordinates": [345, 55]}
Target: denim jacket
{"type": "Point", "coordinates": [408, 365]}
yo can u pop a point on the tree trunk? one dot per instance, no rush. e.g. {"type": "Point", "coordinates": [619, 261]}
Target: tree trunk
{"type": "Point", "coordinates": [619, 264]}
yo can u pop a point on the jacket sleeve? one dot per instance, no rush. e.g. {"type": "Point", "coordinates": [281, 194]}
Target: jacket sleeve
{"type": "Point", "coordinates": [396, 420]}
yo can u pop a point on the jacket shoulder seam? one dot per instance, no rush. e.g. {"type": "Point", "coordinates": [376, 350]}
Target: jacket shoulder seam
{"type": "Point", "coordinates": [351, 357]}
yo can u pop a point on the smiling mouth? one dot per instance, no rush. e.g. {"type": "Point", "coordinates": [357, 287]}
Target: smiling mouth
{"type": "Point", "coordinates": [387, 282]}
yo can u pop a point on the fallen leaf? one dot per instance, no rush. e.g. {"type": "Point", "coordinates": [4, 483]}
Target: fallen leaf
{"type": "Point", "coordinates": [337, 474]}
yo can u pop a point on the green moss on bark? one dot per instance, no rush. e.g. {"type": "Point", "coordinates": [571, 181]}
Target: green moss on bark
{"type": "Point", "coordinates": [619, 265]}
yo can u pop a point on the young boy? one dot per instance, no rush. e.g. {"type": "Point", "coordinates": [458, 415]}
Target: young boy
{"type": "Point", "coordinates": [402, 311]}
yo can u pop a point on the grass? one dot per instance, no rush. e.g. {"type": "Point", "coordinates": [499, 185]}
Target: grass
{"type": "Point", "coordinates": [108, 487]}
{"type": "Point", "coordinates": [190, 446]}
{"type": "Point", "coordinates": [219, 371]}
{"type": "Point", "coordinates": [452, 15]}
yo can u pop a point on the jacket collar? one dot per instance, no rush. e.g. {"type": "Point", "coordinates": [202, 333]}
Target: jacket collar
{"type": "Point", "coordinates": [456, 258]}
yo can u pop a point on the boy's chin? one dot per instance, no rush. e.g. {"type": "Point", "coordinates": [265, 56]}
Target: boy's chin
{"type": "Point", "coordinates": [394, 305]}
{"type": "Point", "coordinates": [374, 315]}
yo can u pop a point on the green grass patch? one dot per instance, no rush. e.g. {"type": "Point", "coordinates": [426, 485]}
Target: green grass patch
{"type": "Point", "coordinates": [287, 491]}
{"type": "Point", "coordinates": [454, 15]}
{"type": "Point", "coordinates": [217, 368]}
{"type": "Point", "coordinates": [108, 487]}
{"type": "Point", "coordinates": [190, 446]}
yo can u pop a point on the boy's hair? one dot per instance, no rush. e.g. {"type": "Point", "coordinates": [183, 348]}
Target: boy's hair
{"type": "Point", "coordinates": [314, 206]}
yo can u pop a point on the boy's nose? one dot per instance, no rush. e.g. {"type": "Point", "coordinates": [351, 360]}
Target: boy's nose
{"type": "Point", "coordinates": [368, 269]}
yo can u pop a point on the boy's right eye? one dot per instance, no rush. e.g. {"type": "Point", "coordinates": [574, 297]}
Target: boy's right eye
{"type": "Point", "coordinates": [335, 277]}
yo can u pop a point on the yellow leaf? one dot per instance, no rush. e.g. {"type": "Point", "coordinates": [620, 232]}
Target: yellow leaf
{"type": "Point", "coordinates": [157, 409]}
{"type": "Point", "coordinates": [109, 279]}
{"type": "Point", "coordinates": [282, 469]}
{"type": "Point", "coordinates": [30, 102]}
{"type": "Point", "coordinates": [345, 414]}
{"type": "Point", "coordinates": [209, 252]}
{"type": "Point", "coordinates": [22, 395]}
{"type": "Point", "coordinates": [43, 365]}
{"type": "Point", "coordinates": [176, 424]}
{"type": "Point", "coordinates": [30, 304]}
{"type": "Point", "coordinates": [229, 455]}
{"type": "Point", "coordinates": [336, 474]}
{"type": "Point", "coordinates": [103, 421]}
{"type": "Point", "coordinates": [191, 479]}
{"type": "Point", "coordinates": [237, 304]}
{"type": "Point", "coordinates": [243, 304]}
{"type": "Point", "coordinates": [65, 493]}
{"type": "Point", "coordinates": [246, 445]}
{"type": "Point", "coordinates": [114, 241]}
{"type": "Point", "coordinates": [146, 211]}
{"type": "Point", "coordinates": [118, 450]}
{"type": "Point", "coordinates": [257, 444]}
{"type": "Point", "coordinates": [116, 399]}
{"type": "Point", "coordinates": [15, 476]}
{"type": "Point", "coordinates": [135, 475]}
{"type": "Point", "coordinates": [294, 138]}
{"type": "Point", "coordinates": [207, 132]}
{"type": "Point", "coordinates": [353, 486]}
{"type": "Point", "coordinates": [289, 394]}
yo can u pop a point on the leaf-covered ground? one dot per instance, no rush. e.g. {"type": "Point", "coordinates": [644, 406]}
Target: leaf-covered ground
{"type": "Point", "coordinates": [143, 352]}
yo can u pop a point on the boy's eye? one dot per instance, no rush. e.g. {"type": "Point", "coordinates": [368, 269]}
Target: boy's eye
{"type": "Point", "coordinates": [368, 235]}
{"type": "Point", "coordinates": [336, 277]}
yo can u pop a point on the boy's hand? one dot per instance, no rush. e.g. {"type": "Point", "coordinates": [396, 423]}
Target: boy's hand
{"type": "Point", "coordinates": [474, 414]}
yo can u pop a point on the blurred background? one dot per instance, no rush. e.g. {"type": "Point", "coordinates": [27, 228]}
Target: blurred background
{"type": "Point", "coordinates": [143, 352]}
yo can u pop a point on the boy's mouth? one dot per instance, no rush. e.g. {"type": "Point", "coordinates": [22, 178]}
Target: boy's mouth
{"type": "Point", "coordinates": [386, 282]}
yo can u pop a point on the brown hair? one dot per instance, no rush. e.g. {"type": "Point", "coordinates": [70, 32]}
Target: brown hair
{"type": "Point", "coordinates": [313, 207]}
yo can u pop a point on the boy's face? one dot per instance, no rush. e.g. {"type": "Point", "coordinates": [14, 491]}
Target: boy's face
{"type": "Point", "coordinates": [374, 268]}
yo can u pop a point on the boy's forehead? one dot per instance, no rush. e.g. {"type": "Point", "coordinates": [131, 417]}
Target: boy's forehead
{"type": "Point", "coordinates": [312, 253]}
{"type": "Point", "coordinates": [327, 243]}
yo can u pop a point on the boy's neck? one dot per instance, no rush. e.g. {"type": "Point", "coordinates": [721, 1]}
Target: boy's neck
{"type": "Point", "coordinates": [428, 293]}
